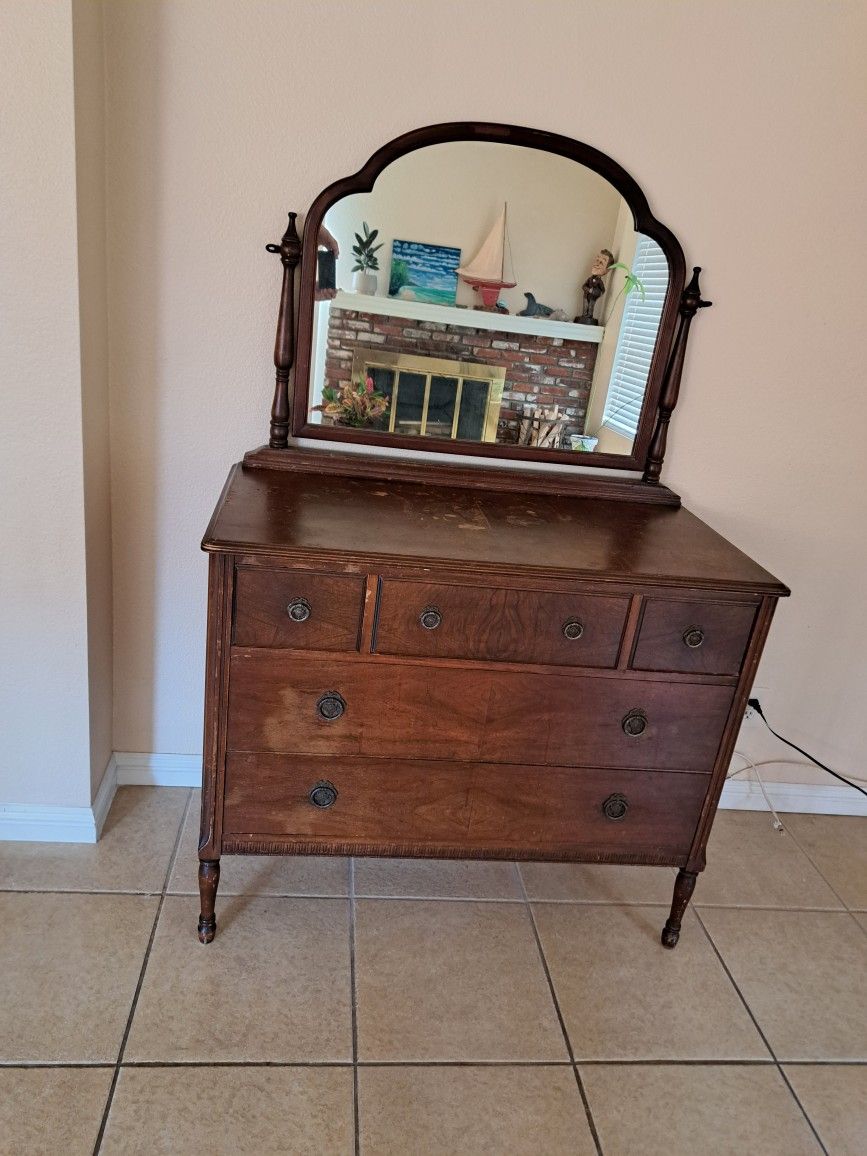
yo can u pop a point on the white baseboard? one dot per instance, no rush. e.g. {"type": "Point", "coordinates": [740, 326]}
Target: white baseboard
{"type": "Point", "coordinates": [34, 823]}
{"type": "Point", "coordinates": [150, 770]}
{"type": "Point", "coordinates": [803, 798]}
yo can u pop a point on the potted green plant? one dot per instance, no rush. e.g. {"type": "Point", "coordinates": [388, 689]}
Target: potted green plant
{"type": "Point", "coordinates": [366, 261]}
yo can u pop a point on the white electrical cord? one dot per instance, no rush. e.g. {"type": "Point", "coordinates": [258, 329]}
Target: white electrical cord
{"type": "Point", "coordinates": [782, 762]}
{"type": "Point", "coordinates": [777, 821]}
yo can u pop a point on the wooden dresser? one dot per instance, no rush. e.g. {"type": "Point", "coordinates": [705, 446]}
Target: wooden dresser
{"type": "Point", "coordinates": [423, 670]}
{"type": "Point", "coordinates": [437, 654]}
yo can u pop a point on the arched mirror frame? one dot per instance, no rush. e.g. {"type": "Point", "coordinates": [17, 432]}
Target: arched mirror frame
{"type": "Point", "coordinates": [663, 379]}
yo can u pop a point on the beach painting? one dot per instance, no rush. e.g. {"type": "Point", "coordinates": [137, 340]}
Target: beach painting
{"type": "Point", "coordinates": [424, 272]}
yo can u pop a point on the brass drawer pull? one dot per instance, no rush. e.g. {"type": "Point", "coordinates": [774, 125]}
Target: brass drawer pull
{"type": "Point", "coordinates": [298, 609]}
{"type": "Point", "coordinates": [615, 807]}
{"type": "Point", "coordinates": [430, 618]}
{"type": "Point", "coordinates": [635, 723]}
{"type": "Point", "coordinates": [323, 794]}
{"type": "Point", "coordinates": [693, 637]}
{"type": "Point", "coordinates": [573, 628]}
{"type": "Point", "coordinates": [331, 706]}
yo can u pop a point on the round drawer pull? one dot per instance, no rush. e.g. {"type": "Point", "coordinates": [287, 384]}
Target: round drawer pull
{"type": "Point", "coordinates": [331, 706]}
{"type": "Point", "coordinates": [430, 618]}
{"type": "Point", "coordinates": [573, 628]}
{"type": "Point", "coordinates": [615, 807]}
{"type": "Point", "coordinates": [693, 637]}
{"type": "Point", "coordinates": [635, 723]}
{"type": "Point", "coordinates": [323, 794]}
{"type": "Point", "coordinates": [298, 609]}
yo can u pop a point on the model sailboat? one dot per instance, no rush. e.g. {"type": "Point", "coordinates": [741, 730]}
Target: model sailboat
{"type": "Point", "coordinates": [487, 270]}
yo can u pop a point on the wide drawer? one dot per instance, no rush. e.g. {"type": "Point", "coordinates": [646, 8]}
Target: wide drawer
{"type": "Point", "coordinates": [483, 806]}
{"type": "Point", "coordinates": [339, 706]}
{"type": "Point", "coordinates": [297, 609]}
{"type": "Point", "coordinates": [693, 637]}
{"type": "Point", "coordinates": [436, 620]}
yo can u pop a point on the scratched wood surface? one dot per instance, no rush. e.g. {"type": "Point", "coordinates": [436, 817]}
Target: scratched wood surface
{"type": "Point", "coordinates": [272, 512]}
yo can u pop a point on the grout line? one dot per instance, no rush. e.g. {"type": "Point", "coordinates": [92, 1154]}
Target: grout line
{"type": "Point", "coordinates": [110, 1098]}
{"type": "Point", "coordinates": [580, 1083]}
{"type": "Point", "coordinates": [73, 891]}
{"type": "Point", "coordinates": [764, 1038]}
{"type": "Point", "coordinates": [42, 1065]}
{"type": "Point", "coordinates": [353, 1008]}
{"type": "Point", "coordinates": [816, 866]}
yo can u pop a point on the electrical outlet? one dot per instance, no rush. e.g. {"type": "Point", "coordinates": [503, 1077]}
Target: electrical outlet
{"type": "Point", "coordinates": [750, 712]}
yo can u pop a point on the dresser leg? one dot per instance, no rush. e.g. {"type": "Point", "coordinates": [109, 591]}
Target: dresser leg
{"type": "Point", "coordinates": [683, 889]}
{"type": "Point", "coordinates": [209, 877]}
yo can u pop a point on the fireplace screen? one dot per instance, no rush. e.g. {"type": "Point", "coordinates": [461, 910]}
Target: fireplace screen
{"type": "Point", "coordinates": [430, 397]}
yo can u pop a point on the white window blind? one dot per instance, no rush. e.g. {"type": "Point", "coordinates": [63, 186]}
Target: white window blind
{"type": "Point", "coordinates": [637, 339]}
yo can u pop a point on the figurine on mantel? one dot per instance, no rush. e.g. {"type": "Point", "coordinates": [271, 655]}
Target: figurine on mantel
{"type": "Point", "coordinates": [535, 308]}
{"type": "Point", "coordinates": [593, 287]}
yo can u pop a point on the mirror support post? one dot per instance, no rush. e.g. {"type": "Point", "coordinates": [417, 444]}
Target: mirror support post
{"type": "Point", "coordinates": [284, 346]}
{"type": "Point", "coordinates": [690, 303]}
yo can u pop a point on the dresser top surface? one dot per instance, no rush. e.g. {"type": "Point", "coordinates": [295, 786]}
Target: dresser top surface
{"type": "Point", "coordinates": [281, 512]}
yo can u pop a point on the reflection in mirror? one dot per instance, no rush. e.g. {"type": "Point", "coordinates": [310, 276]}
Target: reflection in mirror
{"type": "Point", "coordinates": [486, 292]}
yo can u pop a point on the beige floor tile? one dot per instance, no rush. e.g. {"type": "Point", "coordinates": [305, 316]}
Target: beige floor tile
{"type": "Point", "coordinates": [274, 984]}
{"type": "Point", "coordinates": [605, 883]}
{"type": "Point", "coordinates": [837, 844]}
{"type": "Point", "coordinates": [133, 853]}
{"type": "Point", "coordinates": [861, 917]}
{"type": "Point", "coordinates": [437, 878]}
{"type": "Point", "coordinates": [682, 1110]}
{"type": "Point", "coordinates": [44, 1111]}
{"type": "Point", "coordinates": [69, 965]}
{"type": "Point", "coordinates": [804, 976]}
{"type": "Point", "coordinates": [749, 864]}
{"type": "Point", "coordinates": [257, 874]}
{"type": "Point", "coordinates": [231, 1112]}
{"type": "Point", "coordinates": [510, 1111]}
{"type": "Point", "coordinates": [624, 996]}
{"type": "Point", "coordinates": [834, 1096]}
{"type": "Point", "coordinates": [451, 981]}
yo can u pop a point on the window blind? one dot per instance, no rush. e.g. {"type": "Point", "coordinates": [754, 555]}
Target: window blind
{"type": "Point", "coordinates": [637, 339]}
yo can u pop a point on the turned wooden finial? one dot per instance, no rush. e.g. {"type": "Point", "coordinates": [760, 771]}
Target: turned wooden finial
{"type": "Point", "coordinates": [284, 345]}
{"type": "Point", "coordinates": [690, 303]}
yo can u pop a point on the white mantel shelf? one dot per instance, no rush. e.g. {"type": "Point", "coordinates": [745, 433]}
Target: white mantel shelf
{"type": "Point", "coordinates": [468, 318]}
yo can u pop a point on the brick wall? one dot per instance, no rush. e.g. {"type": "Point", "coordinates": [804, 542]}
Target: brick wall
{"type": "Point", "coordinates": [539, 370]}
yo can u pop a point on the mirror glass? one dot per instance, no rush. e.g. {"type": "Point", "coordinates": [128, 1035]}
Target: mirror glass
{"type": "Point", "coordinates": [486, 292]}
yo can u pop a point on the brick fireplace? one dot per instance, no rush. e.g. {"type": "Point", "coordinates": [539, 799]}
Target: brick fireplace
{"type": "Point", "coordinates": [539, 370]}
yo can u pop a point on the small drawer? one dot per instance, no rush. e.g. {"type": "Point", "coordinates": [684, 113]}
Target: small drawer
{"type": "Point", "coordinates": [473, 806]}
{"type": "Point", "coordinates": [693, 637]}
{"type": "Point", "coordinates": [435, 620]}
{"type": "Point", "coordinates": [297, 609]}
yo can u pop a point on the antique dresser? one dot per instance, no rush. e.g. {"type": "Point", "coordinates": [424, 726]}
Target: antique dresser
{"type": "Point", "coordinates": [457, 653]}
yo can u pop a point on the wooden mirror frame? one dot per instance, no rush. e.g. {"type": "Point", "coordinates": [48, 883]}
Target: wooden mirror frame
{"type": "Point", "coordinates": [681, 305]}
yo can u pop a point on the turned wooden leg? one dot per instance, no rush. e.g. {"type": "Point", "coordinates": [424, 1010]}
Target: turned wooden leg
{"type": "Point", "coordinates": [209, 877]}
{"type": "Point", "coordinates": [683, 889]}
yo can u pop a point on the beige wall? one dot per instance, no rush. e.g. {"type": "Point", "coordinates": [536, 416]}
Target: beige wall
{"type": "Point", "coordinates": [747, 135]}
{"type": "Point", "coordinates": [44, 712]}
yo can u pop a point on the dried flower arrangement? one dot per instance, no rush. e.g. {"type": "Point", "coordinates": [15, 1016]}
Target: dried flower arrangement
{"type": "Point", "coordinates": [353, 403]}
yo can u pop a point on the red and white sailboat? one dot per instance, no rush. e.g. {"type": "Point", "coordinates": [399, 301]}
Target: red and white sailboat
{"type": "Point", "coordinates": [487, 270]}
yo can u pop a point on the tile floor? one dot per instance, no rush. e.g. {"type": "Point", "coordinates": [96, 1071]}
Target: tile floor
{"type": "Point", "coordinates": [416, 1007]}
